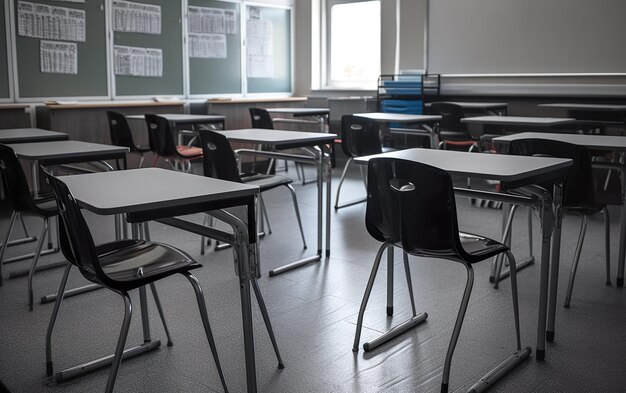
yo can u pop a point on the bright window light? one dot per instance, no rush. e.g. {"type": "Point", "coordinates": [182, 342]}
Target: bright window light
{"type": "Point", "coordinates": [355, 44]}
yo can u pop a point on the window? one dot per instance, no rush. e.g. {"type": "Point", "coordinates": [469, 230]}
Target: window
{"type": "Point", "coordinates": [353, 43]}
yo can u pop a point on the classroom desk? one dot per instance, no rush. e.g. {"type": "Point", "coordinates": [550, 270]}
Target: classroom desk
{"type": "Point", "coordinates": [616, 112]}
{"type": "Point", "coordinates": [178, 120]}
{"type": "Point", "coordinates": [429, 122]}
{"type": "Point", "coordinates": [319, 114]}
{"type": "Point", "coordinates": [28, 135]}
{"type": "Point", "coordinates": [281, 139]}
{"type": "Point", "coordinates": [615, 144]}
{"type": "Point", "coordinates": [491, 108]}
{"type": "Point", "coordinates": [519, 121]}
{"type": "Point", "coordinates": [515, 171]}
{"type": "Point", "coordinates": [14, 116]}
{"type": "Point", "coordinates": [65, 152]}
{"type": "Point", "coordinates": [148, 194]}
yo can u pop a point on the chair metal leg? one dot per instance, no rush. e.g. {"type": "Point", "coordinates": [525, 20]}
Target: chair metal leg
{"type": "Point", "coordinates": [607, 243]}
{"type": "Point", "coordinates": [457, 327]}
{"type": "Point", "coordinates": [409, 283]}
{"type": "Point", "coordinates": [390, 267]}
{"type": "Point", "coordinates": [530, 231]}
{"type": "Point", "coordinates": [519, 355]}
{"type": "Point", "coordinates": [266, 319]}
{"type": "Point", "coordinates": [506, 238]}
{"type": "Point", "coordinates": [146, 230]}
{"type": "Point", "coordinates": [5, 244]}
{"type": "Point", "coordinates": [141, 161]}
{"type": "Point", "coordinates": [205, 322]}
{"type": "Point", "coordinates": [265, 217]}
{"type": "Point", "coordinates": [295, 205]}
{"type": "Point", "coordinates": [366, 295]}
{"type": "Point", "coordinates": [495, 261]}
{"type": "Point", "coordinates": [33, 266]}
{"type": "Point", "coordinates": [343, 177]}
{"type": "Point", "coordinates": [121, 342]}
{"type": "Point", "coordinates": [53, 318]}
{"type": "Point", "coordinates": [572, 274]}
{"type": "Point", "coordinates": [393, 332]}
{"type": "Point", "coordinates": [157, 301]}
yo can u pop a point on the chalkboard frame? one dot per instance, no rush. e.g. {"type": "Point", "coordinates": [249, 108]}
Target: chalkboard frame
{"type": "Point", "coordinates": [239, 6]}
{"type": "Point", "coordinates": [6, 23]}
{"type": "Point", "coordinates": [244, 16]}
{"type": "Point", "coordinates": [18, 96]}
{"type": "Point", "coordinates": [183, 62]}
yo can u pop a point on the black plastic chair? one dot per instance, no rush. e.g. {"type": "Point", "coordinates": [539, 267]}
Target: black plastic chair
{"type": "Point", "coordinates": [261, 118]}
{"type": "Point", "coordinates": [451, 131]}
{"type": "Point", "coordinates": [579, 195]}
{"type": "Point", "coordinates": [163, 143]}
{"type": "Point", "coordinates": [121, 135]}
{"type": "Point", "coordinates": [22, 203]}
{"type": "Point", "coordinates": [120, 266]}
{"type": "Point", "coordinates": [359, 137]}
{"type": "Point", "coordinates": [412, 205]}
{"type": "Point", "coordinates": [219, 162]}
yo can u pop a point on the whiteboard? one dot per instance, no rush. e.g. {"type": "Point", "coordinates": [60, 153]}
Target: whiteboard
{"type": "Point", "coordinates": [526, 36]}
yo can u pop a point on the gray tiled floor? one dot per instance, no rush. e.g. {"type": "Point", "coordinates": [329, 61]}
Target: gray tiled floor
{"type": "Point", "coordinates": [314, 313]}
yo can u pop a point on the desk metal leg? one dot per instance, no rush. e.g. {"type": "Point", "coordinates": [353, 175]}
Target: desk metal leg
{"type": "Point", "coordinates": [622, 239]}
{"type": "Point", "coordinates": [546, 235]}
{"type": "Point", "coordinates": [320, 161]}
{"type": "Point", "coordinates": [554, 261]}
{"type": "Point", "coordinates": [328, 178]}
{"type": "Point", "coordinates": [246, 267]}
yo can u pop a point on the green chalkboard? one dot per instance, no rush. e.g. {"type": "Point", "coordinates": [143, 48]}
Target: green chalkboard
{"type": "Point", "coordinates": [217, 75]}
{"type": "Point", "coordinates": [170, 41]}
{"type": "Point", "coordinates": [91, 77]}
{"type": "Point", "coordinates": [5, 92]}
{"type": "Point", "coordinates": [278, 80]}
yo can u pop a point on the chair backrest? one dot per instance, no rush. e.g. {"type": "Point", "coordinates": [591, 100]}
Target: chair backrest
{"type": "Point", "coordinates": [161, 136]}
{"type": "Point", "coordinates": [120, 130]}
{"type": "Point", "coordinates": [261, 118]}
{"type": "Point", "coordinates": [359, 136]}
{"type": "Point", "coordinates": [218, 159]}
{"type": "Point", "coordinates": [578, 190]}
{"type": "Point", "coordinates": [412, 203]}
{"type": "Point", "coordinates": [76, 242]}
{"type": "Point", "coordinates": [451, 114]}
{"type": "Point", "coordinates": [14, 180]}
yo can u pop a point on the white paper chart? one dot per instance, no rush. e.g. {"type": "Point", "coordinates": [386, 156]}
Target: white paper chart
{"type": "Point", "coordinates": [55, 23]}
{"type": "Point", "coordinates": [259, 48]}
{"type": "Point", "coordinates": [208, 20]}
{"type": "Point", "coordinates": [207, 46]}
{"type": "Point", "coordinates": [135, 61]}
{"type": "Point", "coordinates": [136, 17]}
{"type": "Point", "coordinates": [57, 57]}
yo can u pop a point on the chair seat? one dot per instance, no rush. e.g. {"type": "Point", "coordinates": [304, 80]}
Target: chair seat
{"type": "Point", "coordinates": [142, 148]}
{"type": "Point", "coordinates": [265, 182]}
{"type": "Point", "coordinates": [134, 263]}
{"type": "Point", "coordinates": [44, 207]}
{"type": "Point", "coordinates": [189, 151]}
{"type": "Point", "coordinates": [480, 247]}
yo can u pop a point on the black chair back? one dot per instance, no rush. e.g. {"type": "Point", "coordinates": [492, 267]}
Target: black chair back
{"type": "Point", "coordinates": [76, 242]}
{"type": "Point", "coordinates": [450, 122]}
{"type": "Point", "coordinates": [161, 136]}
{"type": "Point", "coordinates": [412, 203]}
{"type": "Point", "coordinates": [359, 136]}
{"type": "Point", "coordinates": [261, 118]}
{"type": "Point", "coordinates": [578, 190]}
{"type": "Point", "coordinates": [14, 180]}
{"type": "Point", "coordinates": [119, 130]}
{"type": "Point", "coordinates": [218, 157]}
